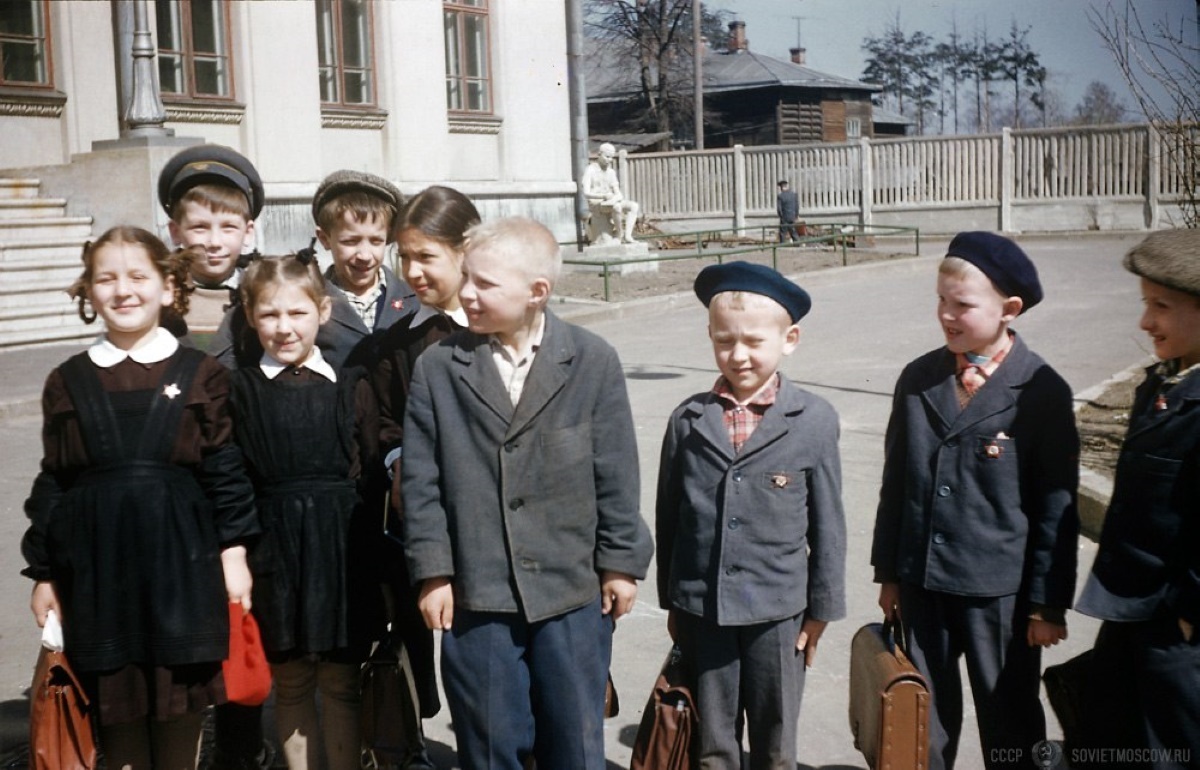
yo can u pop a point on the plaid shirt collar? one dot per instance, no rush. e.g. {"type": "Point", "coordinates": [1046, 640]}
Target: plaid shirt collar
{"type": "Point", "coordinates": [741, 419]}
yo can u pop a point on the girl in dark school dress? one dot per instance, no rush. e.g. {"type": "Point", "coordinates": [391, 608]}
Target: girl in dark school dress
{"type": "Point", "coordinates": [429, 239]}
{"type": "Point", "coordinates": [142, 510]}
{"type": "Point", "coordinates": [310, 433]}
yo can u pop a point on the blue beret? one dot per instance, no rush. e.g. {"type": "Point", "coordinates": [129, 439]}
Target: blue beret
{"type": "Point", "coordinates": [209, 164]}
{"type": "Point", "coordinates": [756, 279]}
{"type": "Point", "coordinates": [1001, 260]}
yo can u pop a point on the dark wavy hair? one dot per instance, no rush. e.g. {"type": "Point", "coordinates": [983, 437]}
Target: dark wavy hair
{"type": "Point", "coordinates": [171, 265]}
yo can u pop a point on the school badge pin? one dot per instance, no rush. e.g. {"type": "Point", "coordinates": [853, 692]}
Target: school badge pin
{"type": "Point", "coordinates": [779, 480]}
{"type": "Point", "coordinates": [397, 304]}
{"type": "Point", "coordinates": [171, 391]}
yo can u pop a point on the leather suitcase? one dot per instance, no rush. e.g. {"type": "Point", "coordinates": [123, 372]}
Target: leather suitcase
{"type": "Point", "coordinates": [889, 701]}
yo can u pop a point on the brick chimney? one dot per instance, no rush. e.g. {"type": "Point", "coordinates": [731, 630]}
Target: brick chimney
{"type": "Point", "coordinates": [737, 37]}
{"type": "Point", "coordinates": [798, 55]}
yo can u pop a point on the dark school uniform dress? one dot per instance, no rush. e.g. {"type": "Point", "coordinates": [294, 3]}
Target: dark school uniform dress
{"type": "Point", "coordinates": [1146, 577]}
{"type": "Point", "coordinates": [977, 522]}
{"type": "Point", "coordinates": [398, 351]}
{"type": "Point", "coordinates": [309, 444]}
{"type": "Point", "coordinates": [140, 490]}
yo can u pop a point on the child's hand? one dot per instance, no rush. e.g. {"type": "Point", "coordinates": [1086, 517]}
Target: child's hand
{"type": "Point", "coordinates": [436, 603]}
{"type": "Point", "coordinates": [237, 575]}
{"type": "Point", "coordinates": [889, 600]}
{"type": "Point", "coordinates": [44, 599]}
{"type": "Point", "coordinates": [618, 592]}
{"type": "Point", "coordinates": [810, 634]}
{"type": "Point", "coordinates": [1043, 633]}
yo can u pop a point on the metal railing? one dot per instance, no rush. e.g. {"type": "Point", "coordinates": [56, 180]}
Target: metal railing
{"type": "Point", "coordinates": [838, 234]}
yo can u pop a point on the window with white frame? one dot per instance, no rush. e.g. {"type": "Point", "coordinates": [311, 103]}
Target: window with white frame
{"type": "Point", "coordinates": [194, 61]}
{"type": "Point", "coordinates": [346, 57]}
{"type": "Point", "coordinates": [853, 128]}
{"type": "Point", "coordinates": [468, 67]}
{"type": "Point", "coordinates": [25, 43]}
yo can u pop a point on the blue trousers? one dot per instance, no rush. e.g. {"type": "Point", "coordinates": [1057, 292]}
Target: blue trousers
{"type": "Point", "coordinates": [517, 689]}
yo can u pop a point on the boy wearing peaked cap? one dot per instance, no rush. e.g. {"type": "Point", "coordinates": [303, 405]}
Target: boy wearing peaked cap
{"type": "Point", "coordinates": [750, 530]}
{"type": "Point", "coordinates": [212, 195]}
{"type": "Point", "coordinates": [976, 530]}
{"type": "Point", "coordinates": [1145, 581]}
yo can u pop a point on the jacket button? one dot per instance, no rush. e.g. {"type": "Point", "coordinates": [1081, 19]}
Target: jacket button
{"type": "Point", "coordinates": [734, 523]}
{"type": "Point", "coordinates": [943, 491]}
{"type": "Point", "coordinates": [511, 446]}
{"type": "Point", "coordinates": [732, 571]}
{"type": "Point", "coordinates": [939, 538]}
{"type": "Point", "coordinates": [737, 475]}
{"type": "Point", "coordinates": [515, 504]}
{"type": "Point", "coordinates": [951, 443]}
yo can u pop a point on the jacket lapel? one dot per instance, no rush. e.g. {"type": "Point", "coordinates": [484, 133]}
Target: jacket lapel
{"type": "Point", "coordinates": [708, 421]}
{"type": "Point", "coordinates": [774, 425]}
{"type": "Point", "coordinates": [1000, 393]}
{"type": "Point", "coordinates": [547, 375]}
{"type": "Point", "coordinates": [480, 375]}
{"type": "Point", "coordinates": [1181, 397]}
{"type": "Point", "coordinates": [941, 394]}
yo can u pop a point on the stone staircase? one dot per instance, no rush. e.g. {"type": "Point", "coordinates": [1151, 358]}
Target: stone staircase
{"type": "Point", "coordinates": [39, 258]}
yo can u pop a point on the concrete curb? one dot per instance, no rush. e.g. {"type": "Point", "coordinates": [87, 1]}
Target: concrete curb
{"type": "Point", "coordinates": [1095, 489]}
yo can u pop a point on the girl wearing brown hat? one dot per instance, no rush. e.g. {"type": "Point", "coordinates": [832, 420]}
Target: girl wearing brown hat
{"type": "Point", "coordinates": [1145, 582]}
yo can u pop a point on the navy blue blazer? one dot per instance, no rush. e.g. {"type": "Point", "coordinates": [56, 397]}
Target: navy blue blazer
{"type": "Point", "coordinates": [981, 501]}
{"type": "Point", "coordinates": [1149, 553]}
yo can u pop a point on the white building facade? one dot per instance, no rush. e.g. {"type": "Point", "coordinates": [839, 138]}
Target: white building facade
{"type": "Point", "coordinates": [467, 93]}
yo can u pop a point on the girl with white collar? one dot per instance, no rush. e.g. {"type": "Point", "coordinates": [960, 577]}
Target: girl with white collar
{"type": "Point", "coordinates": [310, 433]}
{"type": "Point", "coordinates": [141, 514]}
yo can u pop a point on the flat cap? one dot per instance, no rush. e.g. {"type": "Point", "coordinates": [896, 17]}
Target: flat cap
{"type": "Point", "coordinates": [346, 180]}
{"type": "Point", "coordinates": [1168, 257]}
{"type": "Point", "coordinates": [1001, 260]}
{"type": "Point", "coordinates": [756, 279]}
{"type": "Point", "coordinates": [209, 164]}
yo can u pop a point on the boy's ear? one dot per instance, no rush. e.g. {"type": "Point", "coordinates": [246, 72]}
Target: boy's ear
{"type": "Point", "coordinates": [323, 237]}
{"type": "Point", "coordinates": [176, 234]}
{"type": "Point", "coordinates": [791, 339]}
{"type": "Point", "coordinates": [539, 292]}
{"type": "Point", "coordinates": [1012, 308]}
{"type": "Point", "coordinates": [326, 309]}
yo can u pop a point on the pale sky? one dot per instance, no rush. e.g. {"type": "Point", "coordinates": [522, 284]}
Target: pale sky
{"type": "Point", "coordinates": [833, 31]}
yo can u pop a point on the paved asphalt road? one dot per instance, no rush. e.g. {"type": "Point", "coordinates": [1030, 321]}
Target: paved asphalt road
{"type": "Point", "coordinates": [866, 323]}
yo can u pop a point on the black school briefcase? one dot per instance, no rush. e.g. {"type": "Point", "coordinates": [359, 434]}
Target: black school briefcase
{"type": "Point", "coordinates": [889, 701]}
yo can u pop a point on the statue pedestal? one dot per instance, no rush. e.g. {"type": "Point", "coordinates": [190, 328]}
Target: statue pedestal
{"type": "Point", "coordinates": [614, 251]}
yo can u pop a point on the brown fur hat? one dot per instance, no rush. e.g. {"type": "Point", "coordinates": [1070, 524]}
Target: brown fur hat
{"type": "Point", "coordinates": [1170, 258]}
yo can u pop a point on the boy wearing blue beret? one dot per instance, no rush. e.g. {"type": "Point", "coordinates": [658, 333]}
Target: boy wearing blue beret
{"type": "Point", "coordinates": [750, 531]}
{"type": "Point", "coordinates": [976, 530]}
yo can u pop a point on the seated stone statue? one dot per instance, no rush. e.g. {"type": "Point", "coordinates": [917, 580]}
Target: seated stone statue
{"type": "Point", "coordinates": [612, 216]}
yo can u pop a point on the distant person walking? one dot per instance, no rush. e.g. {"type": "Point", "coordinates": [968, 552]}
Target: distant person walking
{"type": "Point", "coordinates": [787, 206]}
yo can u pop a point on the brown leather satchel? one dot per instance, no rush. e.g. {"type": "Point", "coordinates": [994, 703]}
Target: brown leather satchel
{"type": "Point", "coordinates": [60, 720]}
{"type": "Point", "coordinates": [668, 727]}
{"type": "Point", "coordinates": [889, 700]}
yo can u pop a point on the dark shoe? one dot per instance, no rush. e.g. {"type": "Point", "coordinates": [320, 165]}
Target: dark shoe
{"type": "Point", "coordinates": [420, 761]}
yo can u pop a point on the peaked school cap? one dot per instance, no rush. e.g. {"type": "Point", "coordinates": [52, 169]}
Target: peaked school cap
{"type": "Point", "coordinates": [209, 164]}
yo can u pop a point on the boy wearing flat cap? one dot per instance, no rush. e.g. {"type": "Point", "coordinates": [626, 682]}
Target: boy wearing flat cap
{"type": "Point", "coordinates": [353, 211]}
{"type": "Point", "coordinates": [750, 531]}
{"type": "Point", "coordinates": [1145, 582]}
{"type": "Point", "coordinates": [976, 530]}
{"type": "Point", "coordinates": [212, 194]}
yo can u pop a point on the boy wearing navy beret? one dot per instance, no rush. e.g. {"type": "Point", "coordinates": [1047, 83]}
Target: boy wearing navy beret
{"type": "Point", "coordinates": [976, 530]}
{"type": "Point", "coordinates": [750, 531]}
